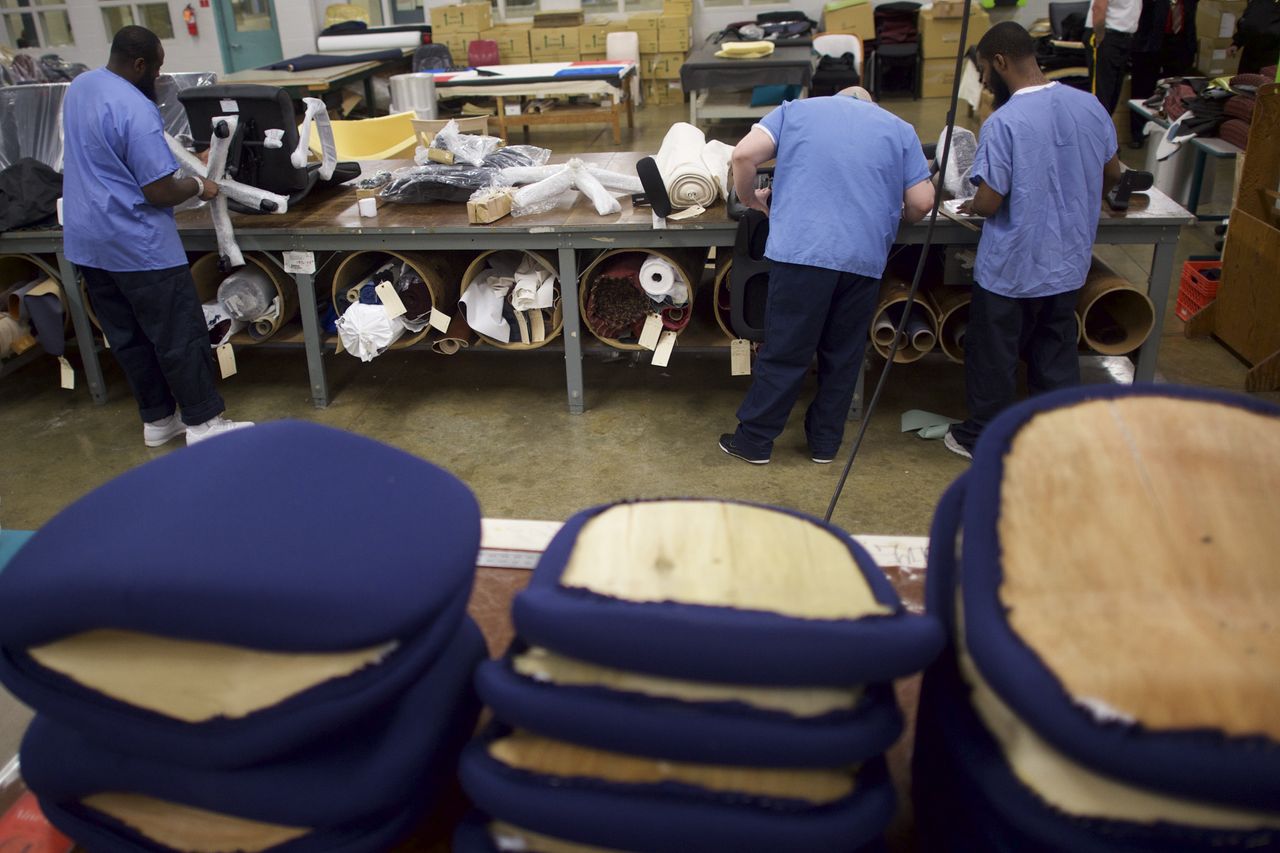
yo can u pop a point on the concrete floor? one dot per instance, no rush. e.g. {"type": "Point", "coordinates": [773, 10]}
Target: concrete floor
{"type": "Point", "coordinates": [499, 420]}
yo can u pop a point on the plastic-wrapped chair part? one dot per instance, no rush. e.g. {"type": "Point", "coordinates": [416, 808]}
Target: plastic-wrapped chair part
{"type": "Point", "coordinates": [172, 112]}
{"type": "Point", "coordinates": [432, 57]}
{"type": "Point", "coordinates": [247, 294]}
{"type": "Point", "coordinates": [31, 123]}
{"type": "Point", "coordinates": [964, 148]}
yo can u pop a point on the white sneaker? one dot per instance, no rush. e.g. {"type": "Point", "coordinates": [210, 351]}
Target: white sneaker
{"type": "Point", "coordinates": [158, 432]}
{"type": "Point", "coordinates": [212, 427]}
{"type": "Point", "coordinates": [949, 441]}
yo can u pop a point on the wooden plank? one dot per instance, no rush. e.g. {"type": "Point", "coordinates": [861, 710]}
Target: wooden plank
{"type": "Point", "coordinates": [1247, 313]}
{"type": "Point", "coordinates": [1265, 375]}
{"type": "Point", "coordinates": [1139, 541]}
{"type": "Point", "coordinates": [1262, 167]}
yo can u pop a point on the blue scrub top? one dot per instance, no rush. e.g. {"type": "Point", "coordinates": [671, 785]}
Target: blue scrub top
{"type": "Point", "coordinates": [842, 168]}
{"type": "Point", "coordinates": [1044, 151]}
{"type": "Point", "coordinates": [113, 146]}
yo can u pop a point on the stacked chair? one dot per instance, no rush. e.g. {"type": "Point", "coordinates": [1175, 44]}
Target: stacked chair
{"type": "Point", "coordinates": [1106, 574]}
{"type": "Point", "coordinates": [223, 657]}
{"type": "Point", "coordinates": [694, 675]}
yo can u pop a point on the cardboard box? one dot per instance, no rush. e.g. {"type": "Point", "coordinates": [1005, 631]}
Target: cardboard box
{"type": "Point", "coordinates": [936, 77]}
{"type": "Point", "coordinates": [513, 42]}
{"type": "Point", "coordinates": [468, 17]}
{"type": "Point", "coordinates": [457, 43]}
{"type": "Point", "coordinates": [548, 40]}
{"type": "Point", "coordinates": [948, 8]}
{"type": "Point", "coordinates": [678, 7]}
{"type": "Point", "coordinates": [594, 56]}
{"type": "Point", "coordinates": [659, 92]}
{"type": "Point", "coordinates": [850, 16]}
{"type": "Point", "coordinates": [593, 37]}
{"type": "Point", "coordinates": [644, 22]}
{"type": "Point", "coordinates": [986, 106]}
{"type": "Point", "coordinates": [489, 207]}
{"type": "Point", "coordinates": [666, 66]}
{"type": "Point", "coordinates": [1216, 19]}
{"type": "Point", "coordinates": [673, 41]}
{"type": "Point", "coordinates": [940, 37]}
{"type": "Point", "coordinates": [558, 57]}
{"type": "Point", "coordinates": [1212, 59]}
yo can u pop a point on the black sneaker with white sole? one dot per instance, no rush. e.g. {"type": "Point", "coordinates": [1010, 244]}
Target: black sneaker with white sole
{"type": "Point", "coordinates": [727, 445]}
{"type": "Point", "coordinates": [822, 458]}
{"type": "Point", "coordinates": [950, 442]}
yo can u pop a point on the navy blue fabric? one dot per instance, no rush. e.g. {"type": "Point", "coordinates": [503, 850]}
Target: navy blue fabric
{"type": "Point", "coordinates": [967, 800]}
{"type": "Point", "coordinates": [722, 644]}
{"type": "Point", "coordinates": [1202, 764]}
{"type": "Point", "coordinates": [238, 526]}
{"type": "Point", "coordinates": [708, 732]}
{"type": "Point", "coordinates": [364, 770]}
{"type": "Point", "coordinates": [940, 576]}
{"type": "Point", "coordinates": [668, 817]}
{"type": "Point", "coordinates": [102, 834]}
{"type": "Point", "coordinates": [223, 742]}
{"type": "Point", "coordinates": [472, 836]}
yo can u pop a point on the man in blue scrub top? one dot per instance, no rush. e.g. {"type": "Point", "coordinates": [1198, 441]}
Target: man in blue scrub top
{"type": "Point", "coordinates": [119, 190]}
{"type": "Point", "coordinates": [1046, 157]}
{"type": "Point", "coordinates": [847, 173]}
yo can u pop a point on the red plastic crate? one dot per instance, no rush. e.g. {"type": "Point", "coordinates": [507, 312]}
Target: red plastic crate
{"type": "Point", "coordinates": [1194, 278]}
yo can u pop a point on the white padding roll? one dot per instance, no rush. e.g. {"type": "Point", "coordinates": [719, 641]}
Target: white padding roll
{"type": "Point", "coordinates": [366, 42]}
{"type": "Point", "coordinates": [661, 280]}
{"type": "Point", "coordinates": [689, 181]}
{"type": "Point", "coordinates": [366, 330]}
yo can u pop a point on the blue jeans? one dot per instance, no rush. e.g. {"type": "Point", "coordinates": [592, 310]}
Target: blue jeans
{"type": "Point", "coordinates": [809, 311]}
{"type": "Point", "coordinates": [156, 329]}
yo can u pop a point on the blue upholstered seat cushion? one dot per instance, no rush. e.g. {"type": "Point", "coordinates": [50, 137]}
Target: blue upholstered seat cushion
{"type": "Point", "coordinates": [1204, 764]}
{"type": "Point", "coordinates": [714, 642]}
{"type": "Point", "coordinates": [368, 769]}
{"type": "Point", "coordinates": [668, 816]}
{"type": "Point", "coordinates": [231, 542]}
{"type": "Point", "coordinates": [717, 731]}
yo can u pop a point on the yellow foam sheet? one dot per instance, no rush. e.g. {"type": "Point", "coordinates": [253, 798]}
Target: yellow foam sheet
{"type": "Point", "coordinates": [1139, 542]}
{"type": "Point", "coordinates": [194, 681]}
{"type": "Point", "coordinates": [719, 554]}
{"type": "Point", "coordinates": [1075, 789]}
{"type": "Point", "coordinates": [544, 665]}
{"type": "Point", "coordinates": [557, 758]}
{"type": "Point", "coordinates": [190, 829]}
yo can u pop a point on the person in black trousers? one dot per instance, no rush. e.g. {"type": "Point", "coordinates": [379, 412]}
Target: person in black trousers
{"type": "Point", "coordinates": [1257, 36]}
{"type": "Point", "coordinates": [1164, 46]}
{"type": "Point", "coordinates": [1112, 24]}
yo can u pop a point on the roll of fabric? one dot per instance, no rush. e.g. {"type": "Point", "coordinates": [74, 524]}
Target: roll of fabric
{"type": "Point", "coordinates": [42, 307]}
{"type": "Point", "coordinates": [616, 304]}
{"type": "Point", "coordinates": [247, 293]}
{"type": "Point", "coordinates": [662, 281]}
{"type": "Point", "coordinates": [1241, 107]}
{"type": "Point", "coordinates": [220, 323]}
{"type": "Point", "coordinates": [366, 331]}
{"type": "Point", "coordinates": [458, 337]}
{"type": "Point", "coordinates": [353, 295]}
{"type": "Point", "coordinates": [689, 182]}
{"type": "Point", "coordinates": [716, 156]}
{"type": "Point", "coordinates": [534, 287]}
{"type": "Point", "coordinates": [414, 295]}
{"type": "Point", "coordinates": [1236, 132]}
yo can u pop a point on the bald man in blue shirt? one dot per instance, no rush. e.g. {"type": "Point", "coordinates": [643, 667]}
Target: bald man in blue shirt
{"type": "Point", "coordinates": [847, 173]}
{"type": "Point", "coordinates": [119, 190]}
{"type": "Point", "coordinates": [1046, 158]}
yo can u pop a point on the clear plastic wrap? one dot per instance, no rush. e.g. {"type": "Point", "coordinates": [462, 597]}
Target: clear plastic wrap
{"type": "Point", "coordinates": [550, 182]}
{"type": "Point", "coordinates": [172, 113]}
{"type": "Point", "coordinates": [438, 182]}
{"type": "Point", "coordinates": [55, 69]}
{"type": "Point", "coordinates": [469, 148]}
{"type": "Point", "coordinates": [964, 149]}
{"type": "Point", "coordinates": [247, 293]}
{"type": "Point", "coordinates": [366, 330]}
{"type": "Point", "coordinates": [31, 123]}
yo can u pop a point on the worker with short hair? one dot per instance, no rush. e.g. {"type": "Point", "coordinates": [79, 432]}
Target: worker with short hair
{"type": "Point", "coordinates": [119, 191]}
{"type": "Point", "coordinates": [847, 173]}
{"type": "Point", "coordinates": [1046, 158]}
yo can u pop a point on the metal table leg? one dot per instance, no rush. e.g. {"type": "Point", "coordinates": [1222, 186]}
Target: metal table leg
{"type": "Point", "coordinates": [572, 330]}
{"type": "Point", "coordinates": [312, 341]}
{"type": "Point", "coordinates": [84, 330]}
{"type": "Point", "coordinates": [1197, 180]}
{"type": "Point", "coordinates": [1158, 291]}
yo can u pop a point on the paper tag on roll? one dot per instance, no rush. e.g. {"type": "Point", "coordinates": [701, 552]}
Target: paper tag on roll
{"type": "Point", "coordinates": [659, 224]}
{"type": "Point", "coordinates": [300, 262]}
{"type": "Point", "coordinates": [68, 375]}
{"type": "Point", "coordinates": [390, 299]}
{"type": "Point", "coordinates": [666, 344]}
{"type": "Point", "coordinates": [740, 357]}
{"type": "Point", "coordinates": [226, 361]}
{"type": "Point", "coordinates": [439, 321]}
{"type": "Point", "coordinates": [688, 213]}
{"type": "Point", "coordinates": [652, 329]}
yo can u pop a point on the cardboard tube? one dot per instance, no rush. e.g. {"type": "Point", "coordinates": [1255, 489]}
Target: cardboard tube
{"type": "Point", "coordinates": [951, 306]}
{"type": "Point", "coordinates": [690, 262]}
{"type": "Point", "coordinates": [1116, 318]}
{"type": "Point", "coordinates": [721, 296]}
{"type": "Point", "coordinates": [546, 260]}
{"type": "Point", "coordinates": [440, 271]}
{"type": "Point", "coordinates": [922, 321]}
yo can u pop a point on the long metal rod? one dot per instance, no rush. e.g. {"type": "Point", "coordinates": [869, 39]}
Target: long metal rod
{"type": "Point", "coordinates": [915, 280]}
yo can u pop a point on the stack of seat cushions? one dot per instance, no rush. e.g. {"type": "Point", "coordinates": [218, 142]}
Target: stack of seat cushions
{"type": "Point", "coordinates": [213, 670]}
{"type": "Point", "coordinates": [695, 675]}
{"type": "Point", "coordinates": [1111, 682]}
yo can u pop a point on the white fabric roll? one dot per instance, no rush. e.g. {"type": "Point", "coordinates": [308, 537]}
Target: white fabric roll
{"type": "Point", "coordinates": [661, 280]}
{"type": "Point", "coordinates": [416, 92]}
{"type": "Point", "coordinates": [366, 330]}
{"type": "Point", "coordinates": [689, 181]}
{"type": "Point", "coordinates": [716, 156]}
{"type": "Point", "coordinates": [367, 42]}
{"type": "Point", "coordinates": [247, 293]}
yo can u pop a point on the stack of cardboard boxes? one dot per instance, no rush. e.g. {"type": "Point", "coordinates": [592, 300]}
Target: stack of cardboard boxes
{"type": "Point", "coordinates": [850, 16]}
{"type": "Point", "coordinates": [665, 39]}
{"type": "Point", "coordinates": [939, 41]}
{"type": "Point", "coordinates": [1215, 24]}
{"type": "Point", "coordinates": [458, 26]}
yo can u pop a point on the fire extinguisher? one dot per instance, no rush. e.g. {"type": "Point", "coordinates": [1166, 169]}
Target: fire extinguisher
{"type": "Point", "coordinates": [189, 15]}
